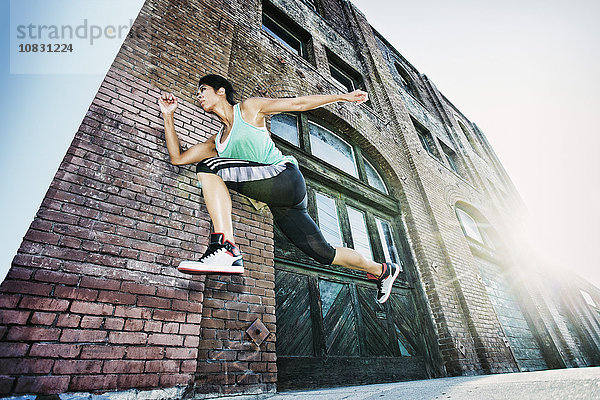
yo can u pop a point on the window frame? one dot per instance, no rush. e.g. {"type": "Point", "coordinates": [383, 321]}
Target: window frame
{"type": "Point", "coordinates": [278, 21]}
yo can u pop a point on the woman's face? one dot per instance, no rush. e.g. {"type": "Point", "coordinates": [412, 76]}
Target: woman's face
{"type": "Point", "coordinates": [208, 98]}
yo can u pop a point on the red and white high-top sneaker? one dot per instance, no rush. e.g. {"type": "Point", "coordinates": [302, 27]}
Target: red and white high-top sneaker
{"type": "Point", "coordinates": [385, 281]}
{"type": "Point", "coordinates": [221, 257]}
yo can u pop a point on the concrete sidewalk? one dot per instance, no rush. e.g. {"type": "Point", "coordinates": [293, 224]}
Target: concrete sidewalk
{"type": "Point", "coordinates": [563, 384]}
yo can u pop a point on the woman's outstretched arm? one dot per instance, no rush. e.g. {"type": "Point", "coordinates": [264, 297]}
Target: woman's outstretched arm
{"type": "Point", "coordinates": [264, 106]}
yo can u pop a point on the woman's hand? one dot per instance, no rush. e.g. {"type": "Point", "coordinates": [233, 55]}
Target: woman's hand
{"type": "Point", "coordinates": [357, 96]}
{"type": "Point", "coordinates": [167, 103]}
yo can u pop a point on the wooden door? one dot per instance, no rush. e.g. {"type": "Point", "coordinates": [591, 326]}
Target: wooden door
{"type": "Point", "coordinates": [332, 332]}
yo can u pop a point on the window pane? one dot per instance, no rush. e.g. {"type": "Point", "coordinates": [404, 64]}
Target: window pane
{"type": "Point", "coordinates": [286, 127]}
{"type": "Point", "coordinates": [360, 235]}
{"type": "Point", "coordinates": [328, 220]}
{"type": "Point", "coordinates": [342, 78]}
{"type": "Point", "coordinates": [374, 178]}
{"type": "Point", "coordinates": [451, 162]}
{"type": "Point", "coordinates": [469, 225]}
{"type": "Point", "coordinates": [282, 35]}
{"type": "Point", "coordinates": [387, 241]}
{"type": "Point", "coordinates": [332, 149]}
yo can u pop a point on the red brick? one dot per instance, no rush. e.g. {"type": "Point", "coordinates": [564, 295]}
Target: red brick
{"type": "Point", "coordinates": [115, 324]}
{"type": "Point", "coordinates": [56, 277]}
{"type": "Point", "coordinates": [22, 274]}
{"type": "Point", "coordinates": [13, 317]}
{"type": "Point", "coordinates": [194, 318]}
{"type": "Point", "coordinates": [77, 367]}
{"type": "Point", "coordinates": [134, 325]}
{"type": "Point", "coordinates": [6, 384]}
{"type": "Point", "coordinates": [68, 320]}
{"type": "Point", "coordinates": [130, 287]}
{"type": "Point", "coordinates": [9, 301]}
{"type": "Point", "coordinates": [171, 327]}
{"type": "Point", "coordinates": [83, 335]}
{"type": "Point", "coordinates": [191, 341]}
{"type": "Point", "coordinates": [39, 318]}
{"type": "Point", "coordinates": [45, 304]}
{"type": "Point", "coordinates": [153, 302]}
{"type": "Point", "coordinates": [42, 384]}
{"type": "Point", "coordinates": [189, 329]}
{"type": "Point", "coordinates": [134, 312]}
{"type": "Point", "coordinates": [102, 352]}
{"type": "Point", "coordinates": [82, 307]}
{"type": "Point", "coordinates": [96, 283]}
{"type": "Point", "coordinates": [25, 333]}
{"type": "Point", "coordinates": [116, 297]}
{"type": "Point", "coordinates": [168, 315]}
{"type": "Point", "coordinates": [186, 305]}
{"type": "Point", "coordinates": [165, 340]}
{"type": "Point", "coordinates": [13, 349]}
{"type": "Point", "coordinates": [41, 237]}
{"type": "Point", "coordinates": [128, 338]}
{"type": "Point", "coordinates": [171, 380]}
{"type": "Point", "coordinates": [76, 293]}
{"type": "Point", "coordinates": [171, 293]}
{"type": "Point", "coordinates": [86, 383]}
{"type": "Point", "coordinates": [138, 381]}
{"type": "Point", "coordinates": [26, 287]}
{"type": "Point", "coordinates": [189, 366]}
{"type": "Point", "coordinates": [183, 354]}
{"type": "Point", "coordinates": [16, 366]}
{"type": "Point", "coordinates": [153, 326]}
{"type": "Point", "coordinates": [123, 366]}
{"type": "Point", "coordinates": [145, 353]}
{"type": "Point", "coordinates": [55, 350]}
{"type": "Point", "coordinates": [167, 366]}
{"type": "Point", "coordinates": [89, 322]}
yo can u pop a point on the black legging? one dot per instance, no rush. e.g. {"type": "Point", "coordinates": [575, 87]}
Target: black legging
{"type": "Point", "coordinates": [283, 189]}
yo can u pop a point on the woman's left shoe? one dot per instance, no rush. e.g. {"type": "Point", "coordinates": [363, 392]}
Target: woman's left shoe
{"type": "Point", "coordinates": [385, 281]}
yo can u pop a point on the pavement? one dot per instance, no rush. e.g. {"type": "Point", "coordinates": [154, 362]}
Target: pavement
{"type": "Point", "coordinates": [562, 384]}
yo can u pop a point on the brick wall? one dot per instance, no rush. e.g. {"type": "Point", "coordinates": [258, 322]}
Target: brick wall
{"type": "Point", "coordinates": [93, 300]}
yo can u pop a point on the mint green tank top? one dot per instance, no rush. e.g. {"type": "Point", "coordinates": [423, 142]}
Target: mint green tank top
{"type": "Point", "coordinates": [247, 142]}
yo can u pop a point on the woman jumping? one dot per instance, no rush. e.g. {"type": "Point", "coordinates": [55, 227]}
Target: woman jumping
{"type": "Point", "coordinates": [243, 157]}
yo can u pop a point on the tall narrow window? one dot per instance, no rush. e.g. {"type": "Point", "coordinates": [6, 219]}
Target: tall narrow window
{"type": "Point", "coordinates": [387, 241]}
{"type": "Point", "coordinates": [284, 31]}
{"type": "Point", "coordinates": [407, 82]}
{"type": "Point", "coordinates": [328, 220]}
{"type": "Point", "coordinates": [426, 139]}
{"type": "Point", "coordinates": [331, 148]}
{"type": "Point", "coordinates": [360, 235]}
{"type": "Point", "coordinates": [450, 157]}
{"type": "Point", "coordinates": [286, 127]}
{"type": "Point", "coordinates": [344, 75]}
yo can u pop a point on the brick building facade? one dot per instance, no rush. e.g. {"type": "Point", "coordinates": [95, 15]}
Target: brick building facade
{"type": "Point", "coordinates": [93, 301]}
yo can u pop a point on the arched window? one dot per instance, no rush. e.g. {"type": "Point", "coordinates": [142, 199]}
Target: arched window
{"type": "Point", "coordinates": [473, 229]}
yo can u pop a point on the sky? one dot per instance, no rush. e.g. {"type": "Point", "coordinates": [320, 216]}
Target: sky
{"type": "Point", "coordinates": [524, 71]}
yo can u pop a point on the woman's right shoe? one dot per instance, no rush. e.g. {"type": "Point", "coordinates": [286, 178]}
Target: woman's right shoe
{"type": "Point", "coordinates": [221, 257]}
